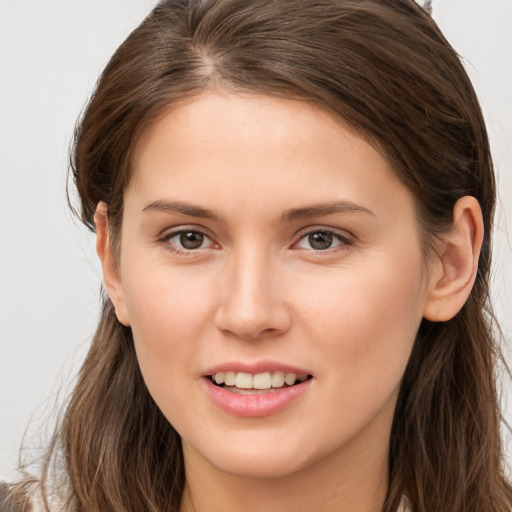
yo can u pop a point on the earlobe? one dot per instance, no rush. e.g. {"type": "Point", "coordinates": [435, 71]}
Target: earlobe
{"type": "Point", "coordinates": [455, 267]}
{"type": "Point", "coordinates": [109, 264]}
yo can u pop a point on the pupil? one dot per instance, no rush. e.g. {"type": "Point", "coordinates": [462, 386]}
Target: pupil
{"type": "Point", "coordinates": [320, 240]}
{"type": "Point", "coordinates": [191, 240]}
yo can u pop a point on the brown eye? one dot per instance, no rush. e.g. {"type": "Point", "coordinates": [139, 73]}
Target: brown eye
{"type": "Point", "coordinates": [188, 240]}
{"type": "Point", "coordinates": [191, 239]}
{"type": "Point", "coordinates": [323, 240]}
{"type": "Point", "coordinates": [320, 240]}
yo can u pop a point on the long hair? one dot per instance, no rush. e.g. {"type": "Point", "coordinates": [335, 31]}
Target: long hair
{"type": "Point", "coordinates": [385, 69]}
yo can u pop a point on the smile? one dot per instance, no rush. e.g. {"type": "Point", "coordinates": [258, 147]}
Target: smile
{"type": "Point", "coordinates": [264, 391]}
{"type": "Point", "coordinates": [260, 383]}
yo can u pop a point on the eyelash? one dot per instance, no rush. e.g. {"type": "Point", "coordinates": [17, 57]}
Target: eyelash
{"type": "Point", "coordinates": [344, 240]}
{"type": "Point", "coordinates": [166, 239]}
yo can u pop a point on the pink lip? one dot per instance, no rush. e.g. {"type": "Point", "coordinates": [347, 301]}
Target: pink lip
{"type": "Point", "coordinates": [254, 405]}
{"type": "Point", "coordinates": [254, 368]}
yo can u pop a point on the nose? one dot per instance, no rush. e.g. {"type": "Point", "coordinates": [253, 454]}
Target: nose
{"type": "Point", "coordinates": [251, 301]}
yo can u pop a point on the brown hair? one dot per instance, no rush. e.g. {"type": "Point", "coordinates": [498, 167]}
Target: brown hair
{"type": "Point", "coordinates": [384, 67]}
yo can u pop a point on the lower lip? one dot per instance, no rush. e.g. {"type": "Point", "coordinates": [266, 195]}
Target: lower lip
{"type": "Point", "coordinates": [257, 405]}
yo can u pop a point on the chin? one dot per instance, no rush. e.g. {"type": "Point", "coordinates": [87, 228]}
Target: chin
{"type": "Point", "coordinates": [265, 460]}
{"type": "Point", "coordinates": [260, 468]}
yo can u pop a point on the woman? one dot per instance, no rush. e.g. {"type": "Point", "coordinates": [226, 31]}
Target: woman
{"type": "Point", "coordinates": [293, 204]}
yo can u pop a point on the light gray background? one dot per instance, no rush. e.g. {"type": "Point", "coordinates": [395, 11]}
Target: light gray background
{"type": "Point", "coordinates": [50, 55]}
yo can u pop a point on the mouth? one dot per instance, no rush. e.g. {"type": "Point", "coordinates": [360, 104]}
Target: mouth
{"type": "Point", "coordinates": [259, 383]}
{"type": "Point", "coordinates": [258, 390]}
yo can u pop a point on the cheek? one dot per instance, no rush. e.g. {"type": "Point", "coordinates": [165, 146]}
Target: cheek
{"type": "Point", "coordinates": [169, 311]}
{"type": "Point", "coordinates": [164, 298]}
{"type": "Point", "coordinates": [366, 318]}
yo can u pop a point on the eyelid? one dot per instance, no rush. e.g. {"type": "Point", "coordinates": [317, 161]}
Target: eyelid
{"type": "Point", "coordinates": [346, 238]}
{"type": "Point", "coordinates": [170, 233]}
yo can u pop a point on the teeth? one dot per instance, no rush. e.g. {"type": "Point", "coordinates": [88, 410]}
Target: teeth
{"type": "Point", "coordinates": [260, 381]}
{"type": "Point", "coordinates": [278, 379]}
{"type": "Point", "coordinates": [230, 378]}
{"type": "Point", "coordinates": [290, 379]}
{"type": "Point", "coordinates": [243, 380]}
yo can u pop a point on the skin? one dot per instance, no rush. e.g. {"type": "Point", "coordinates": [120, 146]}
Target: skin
{"type": "Point", "coordinates": [256, 290]}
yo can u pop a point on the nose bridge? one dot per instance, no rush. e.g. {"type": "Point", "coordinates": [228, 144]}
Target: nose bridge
{"type": "Point", "coordinates": [251, 304]}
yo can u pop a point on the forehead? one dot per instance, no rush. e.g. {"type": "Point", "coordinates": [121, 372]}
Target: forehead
{"type": "Point", "coordinates": [227, 148]}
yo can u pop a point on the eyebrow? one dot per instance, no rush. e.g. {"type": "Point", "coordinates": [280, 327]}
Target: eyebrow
{"type": "Point", "coordinates": [181, 207]}
{"type": "Point", "coordinates": [324, 209]}
{"type": "Point", "coordinates": [316, 210]}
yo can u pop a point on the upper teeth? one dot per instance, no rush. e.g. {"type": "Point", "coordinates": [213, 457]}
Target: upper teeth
{"type": "Point", "coordinates": [265, 380]}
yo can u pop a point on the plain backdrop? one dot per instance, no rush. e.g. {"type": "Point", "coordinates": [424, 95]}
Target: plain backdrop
{"type": "Point", "coordinates": [51, 52]}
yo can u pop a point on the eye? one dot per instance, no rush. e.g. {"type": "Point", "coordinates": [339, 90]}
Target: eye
{"type": "Point", "coordinates": [322, 240]}
{"type": "Point", "coordinates": [188, 240]}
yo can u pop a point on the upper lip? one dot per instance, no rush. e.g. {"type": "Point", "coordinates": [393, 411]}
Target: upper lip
{"type": "Point", "coordinates": [254, 368]}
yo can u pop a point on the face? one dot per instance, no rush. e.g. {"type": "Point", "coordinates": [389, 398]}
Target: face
{"type": "Point", "coordinates": [263, 241]}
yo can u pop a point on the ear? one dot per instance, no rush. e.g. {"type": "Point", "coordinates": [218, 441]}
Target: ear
{"type": "Point", "coordinates": [111, 274]}
{"type": "Point", "coordinates": [453, 270]}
